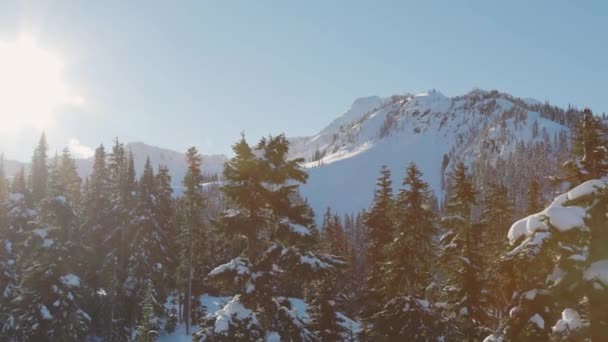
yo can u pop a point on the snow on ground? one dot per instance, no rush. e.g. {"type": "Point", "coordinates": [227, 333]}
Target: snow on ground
{"type": "Point", "coordinates": [224, 307]}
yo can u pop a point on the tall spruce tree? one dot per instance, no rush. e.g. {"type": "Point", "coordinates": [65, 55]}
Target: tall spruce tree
{"type": "Point", "coordinates": [39, 171]}
{"type": "Point", "coordinates": [261, 185]}
{"type": "Point", "coordinates": [97, 227]}
{"type": "Point", "coordinates": [533, 204]}
{"type": "Point", "coordinates": [50, 304]}
{"type": "Point", "coordinates": [461, 256]}
{"type": "Point", "coordinates": [146, 272]}
{"type": "Point", "coordinates": [379, 233]}
{"type": "Point", "coordinates": [411, 254]}
{"type": "Point", "coordinates": [193, 201]}
{"type": "Point", "coordinates": [589, 150]}
{"type": "Point", "coordinates": [405, 314]}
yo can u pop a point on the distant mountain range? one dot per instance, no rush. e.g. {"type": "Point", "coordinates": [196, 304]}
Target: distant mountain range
{"type": "Point", "coordinates": [430, 129]}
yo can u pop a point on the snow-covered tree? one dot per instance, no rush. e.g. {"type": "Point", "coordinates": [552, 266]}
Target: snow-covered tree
{"type": "Point", "coordinates": [50, 304]}
{"type": "Point", "coordinates": [379, 228]}
{"type": "Point", "coordinates": [147, 325]}
{"type": "Point", "coordinates": [589, 150]}
{"type": "Point", "coordinates": [559, 266]}
{"type": "Point", "coordinates": [261, 184]}
{"type": "Point", "coordinates": [461, 255]}
{"type": "Point", "coordinates": [39, 171]}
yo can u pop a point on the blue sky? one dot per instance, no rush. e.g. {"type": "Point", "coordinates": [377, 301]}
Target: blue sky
{"type": "Point", "coordinates": [182, 73]}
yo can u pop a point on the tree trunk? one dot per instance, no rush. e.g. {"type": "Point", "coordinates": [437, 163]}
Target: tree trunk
{"type": "Point", "coordinates": [188, 303]}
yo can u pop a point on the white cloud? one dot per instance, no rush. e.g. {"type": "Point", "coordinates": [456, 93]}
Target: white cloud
{"type": "Point", "coordinates": [79, 150]}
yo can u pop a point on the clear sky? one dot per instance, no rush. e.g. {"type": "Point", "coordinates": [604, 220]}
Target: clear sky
{"type": "Point", "coordinates": [182, 73]}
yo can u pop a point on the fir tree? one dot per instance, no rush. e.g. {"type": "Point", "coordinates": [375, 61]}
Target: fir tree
{"type": "Point", "coordinates": [557, 265]}
{"type": "Point", "coordinates": [49, 306]}
{"type": "Point", "coordinates": [39, 171]}
{"type": "Point", "coordinates": [461, 256]}
{"type": "Point", "coordinates": [405, 314]}
{"type": "Point", "coordinates": [412, 252]}
{"type": "Point", "coordinates": [193, 201]}
{"type": "Point", "coordinates": [534, 198]}
{"type": "Point", "coordinates": [148, 248]}
{"type": "Point", "coordinates": [97, 227]}
{"type": "Point", "coordinates": [379, 233]}
{"type": "Point", "coordinates": [589, 149]}
{"type": "Point", "coordinates": [322, 312]}
{"type": "Point", "coordinates": [147, 326]}
{"type": "Point", "coordinates": [279, 235]}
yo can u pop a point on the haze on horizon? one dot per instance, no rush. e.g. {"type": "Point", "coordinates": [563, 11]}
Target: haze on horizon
{"type": "Point", "coordinates": [200, 73]}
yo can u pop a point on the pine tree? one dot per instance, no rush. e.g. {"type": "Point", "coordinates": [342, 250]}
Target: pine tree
{"type": "Point", "coordinates": [49, 306]}
{"type": "Point", "coordinates": [122, 201]}
{"type": "Point", "coordinates": [193, 201]}
{"type": "Point", "coordinates": [589, 149]}
{"type": "Point", "coordinates": [461, 256]}
{"type": "Point", "coordinates": [4, 188]}
{"type": "Point", "coordinates": [558, 267]}
{"type": "Point", "coordinates": [534, 198]}
{"type": "Point", "coordinates": [14, 215]}
{"type": "Point", "coordinates": [379, 233]}
{"type": "Point", "coordinates": [97, 227]}
{"type": "Point", "coordinates": [70, 179]}
{"type": "Point", "coordinates": [166, 222]}
{"type": "Point", "coordinates": [18, 186]}
{"type": "Point", "coordinates": [147, 248]}
{"type": "Point", "coordinates": [147, 327]}
{"type": "Point", "coordinates": [407, 272]}
{"type": "Point", "coordinates": [322, 312]}
{"type": "Point", "coordinates": [262, 186]}
{"type": "Point", "coordinates": [496, 216]}
{"type": "Point", "coordinates": [39, 171]}
{"type": "Point", "coordinates": [412, 252]}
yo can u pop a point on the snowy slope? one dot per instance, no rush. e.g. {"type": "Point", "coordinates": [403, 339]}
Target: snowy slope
{"type": "Point", "coordinates": [422, 128]}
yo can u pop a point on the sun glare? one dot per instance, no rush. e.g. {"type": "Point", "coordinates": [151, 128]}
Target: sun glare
{"type": "Point", "coordinates": [31, 85]}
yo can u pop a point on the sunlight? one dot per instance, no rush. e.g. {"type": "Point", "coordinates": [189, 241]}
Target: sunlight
{"type": "Point", "coordinates": [31, 85]}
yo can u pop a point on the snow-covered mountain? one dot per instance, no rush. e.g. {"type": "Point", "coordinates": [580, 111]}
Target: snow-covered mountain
{"type": "Point", "coordinates": [430, 129]}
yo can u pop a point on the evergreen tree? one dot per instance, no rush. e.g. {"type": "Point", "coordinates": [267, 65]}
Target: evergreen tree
{"type": "Point", "coordinates": [15, 216]}
{"type": "Point", "coordinates": [39, 171]}
{"type": "Point", "coordinates": [496, 216]}
{"type": "Point", "coordinates": [148, 248]}
{"type": "Point", "coordinates": [147, 327]}
{"type": "Point", "coordinates": [534, 198]}
{"type": "Point", "coordinates": [589, 149]}
{"type": "Point", "coordinates": [122, 202]}
{"type": "Point", "coordinates": [166, 222]}
{"type": "Point", "coordinates": [262, 186]}
{"type": "Point", "coordinates": [412, 252]}
{"type": "Point", "coordinates": [4, 188]}
{"type": "Point", "coordinates": [405, 314]}
{"type": "Point", "coordinates": [97, 227]}
{"type": "Point", "coordinates": [379, 231]}
{"type": "Point", "coordinates": [49, 307]}
{"type": "Point", "coordinates": [322, 312]}
{"type": "Point", "coordinates": [461, 255]}
{"type": "Point", "coordinates": [558, 267]}
{"type": "Point", "coordinates": [18, 186]}
{"type": "Point", "coordinates": [193, 202]}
